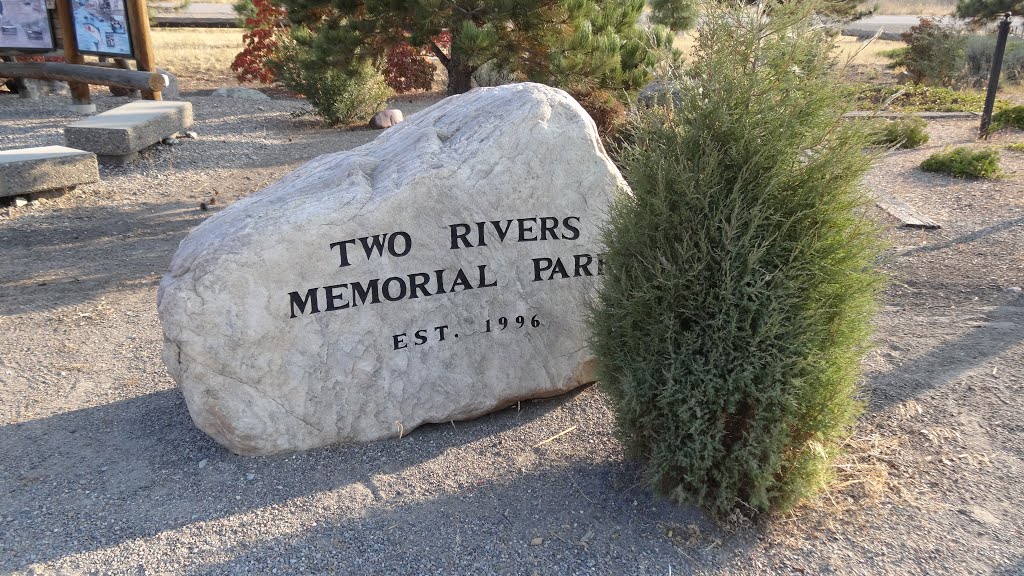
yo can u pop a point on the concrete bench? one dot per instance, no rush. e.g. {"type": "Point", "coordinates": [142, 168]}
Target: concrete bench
{"type": "Point", "coordinates": [31, 170]}
{"type": "Point", "coordinates": [117, 135]}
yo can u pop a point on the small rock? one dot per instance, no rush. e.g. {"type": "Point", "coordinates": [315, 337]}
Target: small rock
{"type": "Point", "coordinates": [386, 118]}
{"type": "Point", "coordinates": [980, 515]}
{"type": "Point", "coordinates": [20, 201]}
{"type": "Point", "coordinates": [250, 476]}
{"type": "Point", "coordinates": [661, 93]}
{"type": "Point", "coordinates": [191, 135]}
{"type": "Point", "coordinates": [203, 463]}
{"type": "Point", "coordinates": [537, 541]}
{"type": "Point", "coordinates": [171, 141]}
{"type": "Point", "coordinates": [1014, 289]}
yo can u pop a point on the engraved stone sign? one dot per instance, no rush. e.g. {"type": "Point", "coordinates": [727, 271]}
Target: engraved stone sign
{"type": "Point", "coordinates": [438, 273]}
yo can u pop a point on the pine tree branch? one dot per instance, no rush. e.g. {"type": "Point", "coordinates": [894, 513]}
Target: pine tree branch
{"type": "Point", "coordinates": [439, 53]}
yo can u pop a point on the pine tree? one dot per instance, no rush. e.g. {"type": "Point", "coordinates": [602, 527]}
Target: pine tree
{"type": "Point", "coordinates": [986, 9]}
{"type": "Point", "coordinates": [596, 43]}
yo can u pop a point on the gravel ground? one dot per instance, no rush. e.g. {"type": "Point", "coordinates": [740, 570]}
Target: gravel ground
{"type": "Point", "coordinates": [101, 470]}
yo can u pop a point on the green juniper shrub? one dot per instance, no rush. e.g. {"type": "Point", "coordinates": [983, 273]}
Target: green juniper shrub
{"type": "Point", "coordinates": [740, 272]}
{"type": "Point", "coordinates": [908, 132]}
{"type": "Point", "coordinates": [1009, 118]}
{"type": "Point", "coordinates": [964, 162]}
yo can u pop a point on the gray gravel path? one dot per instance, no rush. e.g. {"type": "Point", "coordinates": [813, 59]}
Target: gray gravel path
{"type": "Point", "coordinates": [101, 470]}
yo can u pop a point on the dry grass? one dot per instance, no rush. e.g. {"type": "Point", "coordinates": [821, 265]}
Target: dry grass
{"type": "Point", "coordinates": [859, 51]}
{"type": "Point", "coordinates": [865, 52]}
{"type": "Point", "coordinates": [198, 54]}
{"type": "Point", "coordinates": [915, 8]}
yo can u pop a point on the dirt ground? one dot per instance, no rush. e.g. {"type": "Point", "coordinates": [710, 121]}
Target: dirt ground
{"type": "Point", "coordinates": [102, 471]}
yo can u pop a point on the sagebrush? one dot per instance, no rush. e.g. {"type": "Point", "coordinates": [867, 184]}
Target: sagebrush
{"type": "Point", "coordinates": [741, 270]}
{"type": "Point", "coordinates": [909, 132]}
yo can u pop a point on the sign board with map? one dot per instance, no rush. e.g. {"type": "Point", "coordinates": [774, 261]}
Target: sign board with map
{"type": "Point", "coordinates": [101, 27]}
{"type": "Point", "coordinates": [25, 26]}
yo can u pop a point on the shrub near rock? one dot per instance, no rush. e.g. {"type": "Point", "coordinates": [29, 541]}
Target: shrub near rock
{"type": "Point", "coordinates": [339, 95]}
{"type": "Point", "coordinates": [739, 274]}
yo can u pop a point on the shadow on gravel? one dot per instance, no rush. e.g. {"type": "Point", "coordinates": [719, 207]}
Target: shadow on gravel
{"type": "Point", "coordinates": [966, 238]}
{"type": "Point", "coordinates": [584, 527]}
{"type": "Point", "coordinates": [63, 259]}
{"type": "Point", "coordinates": [95, 478]}
{"type": "Point", "coordinates": [1015, 568]}
{"type": "Point", "coordinates": [1003, 329]}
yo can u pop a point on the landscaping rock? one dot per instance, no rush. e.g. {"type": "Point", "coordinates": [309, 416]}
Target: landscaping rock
{"type": "Point", "coordinates": [660, 93]}
{"type": "Point", "coordinates": [438, 273]}
{"type": "Point", "coordinates": [386, 118]}
{"type": "Point", "coordinates": [244, 93]}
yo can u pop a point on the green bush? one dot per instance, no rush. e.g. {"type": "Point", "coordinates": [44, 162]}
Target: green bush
{"type": "Point", "coordinates": [1009, 118]}
{"type": "Point", "coordinates": [934, 55]}
{"type": "Point", "coordinates": [917, 98]}
{"type": "Point", "coordinates": [740, 275]}
{"type": "Point", "coordinates": [338, 95]}
{"type": "Point", "coordinates": [964, 162]}
{"type": "Point", "coordinates": [1015, 147]}
{"type": "Point", "coordinates": [978, 54]}
{"type": "Point", "coordinates": [909, 132]}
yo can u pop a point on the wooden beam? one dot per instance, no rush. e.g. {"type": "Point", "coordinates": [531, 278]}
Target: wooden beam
{"type": "Point", "coordinates": [80, 96]}
{"type": "Point", "coordinates": [80, 73]}
{"type": "Point", "coordinates": [142, 44]}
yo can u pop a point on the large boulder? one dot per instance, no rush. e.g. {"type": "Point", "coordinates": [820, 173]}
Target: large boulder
{"type": "Point", "coordinates": [438, 273]}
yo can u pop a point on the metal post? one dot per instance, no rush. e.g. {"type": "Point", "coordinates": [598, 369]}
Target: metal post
{"type": "Point", "coordinates": [993, 79]}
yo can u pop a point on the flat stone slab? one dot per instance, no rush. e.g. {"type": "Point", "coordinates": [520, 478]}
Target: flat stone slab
{"type": "Point", "coordinates": [127, 129]}
{"type": "Point", "coordinates": [29, 170]}
{"type": "Point", "coordinates": [908, 216]}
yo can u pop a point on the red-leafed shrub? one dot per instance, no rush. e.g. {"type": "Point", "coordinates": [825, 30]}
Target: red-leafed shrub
{"type": "Point", "coordinates": [407, 69]}
{"type": "Point", "coordinates": [261, 40]}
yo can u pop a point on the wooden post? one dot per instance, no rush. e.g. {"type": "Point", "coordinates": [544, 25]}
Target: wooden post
{"type": "Point", "coordinates": [81, 100]}
{"type": "Point", "coordinates": [142, 44]}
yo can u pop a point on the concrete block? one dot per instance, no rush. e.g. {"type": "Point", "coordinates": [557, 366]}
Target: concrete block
{"type": "Point", "coordinates": [127, 129]}
{"type": "Point", "coordinates": [28, 170]}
